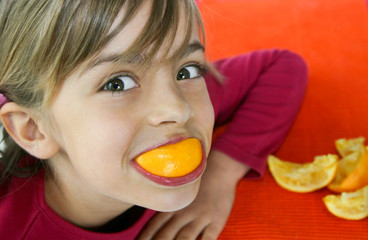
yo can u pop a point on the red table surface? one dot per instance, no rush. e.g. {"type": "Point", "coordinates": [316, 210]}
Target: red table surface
{"type": "Point", "coordinates": [332, 36]}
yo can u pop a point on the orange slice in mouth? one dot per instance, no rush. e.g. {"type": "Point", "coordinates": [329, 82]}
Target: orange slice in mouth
{"type": "Point", "coordinates": [174, 160]}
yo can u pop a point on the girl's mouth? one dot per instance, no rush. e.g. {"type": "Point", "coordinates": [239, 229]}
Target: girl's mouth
{"type": "Point", "coordinates": [172, 180]}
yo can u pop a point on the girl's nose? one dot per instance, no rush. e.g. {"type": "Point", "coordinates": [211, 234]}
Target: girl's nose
{"type": "Point", "coordinates": [167, 105]}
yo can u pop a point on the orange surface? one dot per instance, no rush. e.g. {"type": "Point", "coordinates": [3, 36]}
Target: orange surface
{"type": "Point", "coordinates": [332, 36]}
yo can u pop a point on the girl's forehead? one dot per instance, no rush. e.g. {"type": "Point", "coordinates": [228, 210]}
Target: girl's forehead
{"type": "Point", "coordinates": [130, 32]}
{"type": "Point", "coordinates": [138, 59]}
{"type": "Point", "coordinates": [116, 49]}
{"type": "Point", "coordinates": [142, 14]}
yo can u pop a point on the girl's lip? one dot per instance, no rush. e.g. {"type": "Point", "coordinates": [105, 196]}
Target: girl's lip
{"type": "Point", "coordinates": [173, 181]}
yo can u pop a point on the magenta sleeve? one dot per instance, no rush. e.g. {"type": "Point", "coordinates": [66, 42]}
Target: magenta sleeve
{"type": "Point", "coordinates": [259, 100]}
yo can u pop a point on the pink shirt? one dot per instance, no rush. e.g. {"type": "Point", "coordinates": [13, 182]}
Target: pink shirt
{"type": "Point", "coordinates": [259, 102]}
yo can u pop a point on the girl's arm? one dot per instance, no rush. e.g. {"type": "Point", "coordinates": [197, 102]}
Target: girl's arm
{"type": "Point", "coordinates": [259, 101]}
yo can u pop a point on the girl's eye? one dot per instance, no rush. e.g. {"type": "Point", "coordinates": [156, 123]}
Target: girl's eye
{"type": "Point", "coordinates": [120, 83]}
{"type": "Point", "coordinates": [190, 72]}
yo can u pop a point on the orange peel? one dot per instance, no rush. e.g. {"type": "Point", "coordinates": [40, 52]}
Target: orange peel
{"type": "Point", "coordinates": [303, 177]}
{"type": "Point", "coordinates": [348, 205]}
{"type": "Point", "coordinates": [347, 146]}
{"type": "Point", "coordinates": [352, 173]}
{"type": "Point", "coordinates": [174, 160]}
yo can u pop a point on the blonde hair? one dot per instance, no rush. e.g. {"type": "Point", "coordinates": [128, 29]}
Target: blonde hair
{"type": "Point", "coordinates": [42, 41]}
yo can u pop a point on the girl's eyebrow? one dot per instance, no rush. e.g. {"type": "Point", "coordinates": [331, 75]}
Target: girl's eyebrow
{"type": "Point", "coordinates": [192, 47]}
{"type": "Point", "coordinates": [114, 58]}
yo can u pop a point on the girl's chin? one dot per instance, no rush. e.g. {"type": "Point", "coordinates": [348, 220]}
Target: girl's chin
{"type": "Point", "coordinates": [172, 208]}
{"type": "Point", "coordinates": [174, 201]}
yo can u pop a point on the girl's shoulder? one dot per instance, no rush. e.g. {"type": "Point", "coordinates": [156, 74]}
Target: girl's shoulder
{"type": "Point", "coordinates": [24, 214]}
{"type": "Point", "coordinates": [18, 205]}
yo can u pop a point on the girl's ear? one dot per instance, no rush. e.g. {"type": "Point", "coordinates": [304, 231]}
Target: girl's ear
{"type": "Point", "coordinates": [29, 134]}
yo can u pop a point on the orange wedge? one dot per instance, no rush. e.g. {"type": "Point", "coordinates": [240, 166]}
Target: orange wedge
{"type": "Point", "coordinates": [305, 177]}
{"type": "Point", "coordinates": [352, 172]}
{"type": "Point", "coordinates": [174, 160]}
{"type": "Point", "coordinates": [351, 206]}
{"type": "Point", "coordinates": [347, 146]}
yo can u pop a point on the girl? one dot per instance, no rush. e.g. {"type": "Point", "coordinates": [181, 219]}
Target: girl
{"type": "Point", "coordinates": [87, 86]}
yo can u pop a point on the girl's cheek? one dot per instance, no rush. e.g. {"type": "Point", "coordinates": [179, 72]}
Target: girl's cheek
{"type": "Point", "coordinates": [205, 116]}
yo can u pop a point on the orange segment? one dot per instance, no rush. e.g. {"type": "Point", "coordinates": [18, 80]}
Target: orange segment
{"type": "Point", "coordinates": [352, 171]}
{"type": "Point", "coordinates": [305, 177]}
{"type": "Point", "coordinates": [347, 146]}
{"type": "Point", "coordinates": [352, 206]}
{"type": "Point", "coordinates": [174, 160]}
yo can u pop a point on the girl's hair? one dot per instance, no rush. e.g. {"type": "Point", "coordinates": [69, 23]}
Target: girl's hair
{"type": "Point", "coordinates": [42, 41]}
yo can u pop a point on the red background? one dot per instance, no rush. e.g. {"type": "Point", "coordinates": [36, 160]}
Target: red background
{"type": "Point", "coordinates": [332, 36]}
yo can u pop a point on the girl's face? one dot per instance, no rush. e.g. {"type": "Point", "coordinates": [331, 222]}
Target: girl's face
{"type": "Point", "coordinates": [107, 112]}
